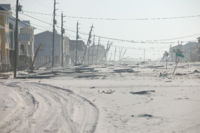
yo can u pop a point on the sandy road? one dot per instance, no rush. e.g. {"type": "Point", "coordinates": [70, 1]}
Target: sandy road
{"type": "Point", "coordinates": [40, 108]}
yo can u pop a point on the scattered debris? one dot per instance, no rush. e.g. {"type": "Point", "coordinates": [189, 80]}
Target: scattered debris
{"type": "Point", "coordinates": [168, 81]}
{"type": "Point", "coordinates": [127, 70]}
{"type": "Point", "coordinates": [134, 66]}
{"type": "Point", "coordinates": [163, 74]}
{"type": "Point", "coordinates": [143, 92]}
{"type": "Point", "coordinates": [161, 66]}
{"type": "Point", "coordinates": [124, 64]}
{"type": "Point", "coordinates": [88, 76]}
{"type": "Point", "coordinates": [180, 74]}
{"type": "Point", "coordinates": [195, 71]}
{"type": "Point", "coordinates": [107, 91]}
{"type": "Point", "coordinates": [4, 76]}
{"type": "Point", "coordinates": [148, 116]}
{"type": "Point", "coordinates": [92, 87]}
{"type": "Point", "coordinates": [84, 69]}
{"type": "Point", "coordinates": [182, 98]}
{"type": "Point", "coordinates": [35, 77]}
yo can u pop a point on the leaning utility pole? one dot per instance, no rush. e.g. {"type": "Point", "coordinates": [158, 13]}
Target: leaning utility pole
{"type": "Point", "coordinates": [88, 43]}
{"type": "Point", "coordinates": [77, 37]}
{"type": "Point", "coordinates": [62, 32]}
{"type": "Point", "coordinates": [98, 50]}
{"type": "Point", "coordinates": [54, 23]}
{"type": "Point", "coordinates": [16, 40]}
{"type": "Point", "coordinates": [93, 45]}
{"type": "Point", "coordinates": [107, 50]}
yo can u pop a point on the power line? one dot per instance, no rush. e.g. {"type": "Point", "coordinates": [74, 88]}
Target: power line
{"type": "Point", "coordinates": [162, 41]}
{"type": "Point", "coordinates": [39, 13]}
{"type": "Point", "coordinates": [120, 19]}
{"type": "Point", "coordinates": [37, 19]}
{"type": "Point", "coordinates": [134, 19]}
{"type": "Point", "coordinates": [42, 21]}
{"type": "Point", "coordinates": [181, 37]}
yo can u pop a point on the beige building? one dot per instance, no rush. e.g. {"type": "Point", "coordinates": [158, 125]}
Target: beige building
{"type": "Point", "coordinates": [7, 33]}
{"type": "Point", "coordinates": [5, 13]}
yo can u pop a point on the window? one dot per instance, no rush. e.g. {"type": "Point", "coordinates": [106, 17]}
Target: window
{"type": "Point", "coordinates": [7, 37]}
{"type": "Point", "coordinates": [22, 49]}
{"type": "Point", "coordinates": [11, 36]}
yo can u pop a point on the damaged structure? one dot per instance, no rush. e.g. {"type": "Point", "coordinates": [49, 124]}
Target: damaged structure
{"type": "Point", "coordinates": [190, 50]}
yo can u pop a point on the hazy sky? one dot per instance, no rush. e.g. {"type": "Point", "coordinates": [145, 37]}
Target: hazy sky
{"type": "Point", "coordinates": [124, 29]}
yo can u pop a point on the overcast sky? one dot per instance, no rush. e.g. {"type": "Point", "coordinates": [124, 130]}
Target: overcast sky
{"type": "Point", "coordinates": [123, 29]}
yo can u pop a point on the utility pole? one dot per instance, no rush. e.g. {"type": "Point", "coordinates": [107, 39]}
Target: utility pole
{"type": "Point", "coordinates": [54, 23]}
{"type": "Point", "coordinates": [98, 50]}
{"type": "Point", "coordinates": [90, 35]}
{"type": "Point", "coordinates": [107, 50]}
{"type": "Point", "coordinates": [16, 40]}
{"type": "Point", "coordinates": [93, 49]}
{"type": "Point", "coordinates": [77, 37]}
{"type": "Point", "coordinates": [88, 43]}
{"type": "Point", "coordinates": [62, 32]}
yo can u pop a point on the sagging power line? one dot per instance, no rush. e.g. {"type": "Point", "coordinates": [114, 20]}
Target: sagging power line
{"type": "Point", "coordinates": [121, 19]}
{"type": "Point", "coordinates": [160, 41]}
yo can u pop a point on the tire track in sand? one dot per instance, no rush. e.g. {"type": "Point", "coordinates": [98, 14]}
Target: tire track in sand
{"type": "Point", "coordinates": [42, 108]}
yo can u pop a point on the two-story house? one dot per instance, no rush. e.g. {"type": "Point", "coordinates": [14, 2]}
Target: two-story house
{"type": "Point", "coordinates": [5, 13]}
{"type": "Point", "coordinates": [25, 42]}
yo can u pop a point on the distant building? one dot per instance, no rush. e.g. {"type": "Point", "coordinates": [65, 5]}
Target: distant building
{"type": "Point", "coordinates": [191, 51]}
{"type": "Point", "coordinates": [198, 40]}
{"type": "Point", "coordinates": [81, 47]}
{"type": "Point", "coordinates": [44, 57]}
{"type": "Point", "coordinates": [97, 54]}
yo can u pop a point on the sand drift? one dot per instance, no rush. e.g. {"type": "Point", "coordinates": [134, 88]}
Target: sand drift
{"type": "Point", "coordinates": [36, 108]}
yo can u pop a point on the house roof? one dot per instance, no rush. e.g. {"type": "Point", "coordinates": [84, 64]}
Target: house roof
{"type": "Point", "coordinates": [44, 32]}
{"type": "Point", "coordinates": [24, 23]}
{"type": "Point", "coordinates": [79, 43]}
{"type": "Point", "coordinates": [49, 33]}
{"type": "Point", "coordinates": [5, 7]}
